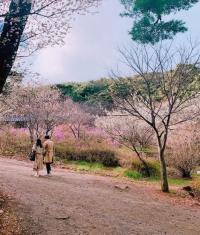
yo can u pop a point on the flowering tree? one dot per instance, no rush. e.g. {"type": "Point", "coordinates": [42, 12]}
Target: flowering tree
{"type": "Point", "coordinates": [13, 82]}
{"type": "Point", "coordinates": [34, 24]}
{"type": "Point", "coordinates": [161, 94]}
{"type": "Point", "coordinates": [43, 108]}
{"type": "Point", "coordinates": [40, 108]}
{"type": "Point", "coordinates": [4, 109]}
{"type": "Point", "coordinates": [79, 117]}
{"type": "Point", "coordinates": [183, 149]}
{"type": "Point", "coordinates": [129, 132]}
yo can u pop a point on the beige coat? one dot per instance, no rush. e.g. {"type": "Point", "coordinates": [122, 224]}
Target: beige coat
{"type": "Point", "coordinates": [48, 151]}
{"type": "Point", "coordinates": [38, 163]}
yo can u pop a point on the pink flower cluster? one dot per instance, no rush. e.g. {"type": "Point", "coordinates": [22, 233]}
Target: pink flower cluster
{"type": "Point", "coordinates": [58, 133]}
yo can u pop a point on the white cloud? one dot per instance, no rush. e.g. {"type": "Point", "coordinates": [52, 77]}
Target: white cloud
{"type": "Point", "coordinates": [91, 47]}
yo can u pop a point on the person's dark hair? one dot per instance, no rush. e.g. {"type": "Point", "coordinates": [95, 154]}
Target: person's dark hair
{"type": "Point", "coordinates": [47, 137]}
{"type": "Point", "coordinates": [39, 143]}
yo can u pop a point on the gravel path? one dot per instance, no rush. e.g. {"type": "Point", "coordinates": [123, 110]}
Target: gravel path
{"type": "Point", "coordinates": [78, 204]}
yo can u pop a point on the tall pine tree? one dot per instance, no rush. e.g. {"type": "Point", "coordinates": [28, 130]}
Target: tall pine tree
{"type": "Point", "coordinates": [150, 24]}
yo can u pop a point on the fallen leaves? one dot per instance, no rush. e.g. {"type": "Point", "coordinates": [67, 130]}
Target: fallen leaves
{"type": "Point", "coordinates": [9, 224]}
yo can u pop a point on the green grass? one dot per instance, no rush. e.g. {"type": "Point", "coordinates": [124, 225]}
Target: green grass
{"type": "Point", "coordinates": [119, 171]}
{"type": "Point", "coordinates": [89, 166]}
{"type": "Point", "coordinates": [137, 176]}
{"type": "Point", "coordinates": [132, 174]}
{"type": "Point", "coordinates": [84, 165]}
{"type": "Point", "coordinates": [171, 181]}
{"type": "Point", "coordinates": [180, 182]}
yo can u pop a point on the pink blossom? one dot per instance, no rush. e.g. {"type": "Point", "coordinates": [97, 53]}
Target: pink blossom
{"type": "Point", "coordinates": [59, 134]}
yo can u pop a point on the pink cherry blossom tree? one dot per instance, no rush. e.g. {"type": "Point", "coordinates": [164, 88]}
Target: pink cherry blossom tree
{"type": "Point", "coordinates": [78, 119]}
{"type": "Point", "coordinates": [40, 108]}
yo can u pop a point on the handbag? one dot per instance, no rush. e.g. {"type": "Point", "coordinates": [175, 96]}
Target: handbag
{"type": "Point", "coordinates": [32, 156]}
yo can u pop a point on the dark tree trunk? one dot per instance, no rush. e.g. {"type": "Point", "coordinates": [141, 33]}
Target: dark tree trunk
{"type": "Point", "coordinates": [146, 168]}
{"type": "Point", "coordinates": [163, 171]}
{"type": "Point", "coordinates": [14, 24]}
{"type": "Point", "coordinates": [163, 167]}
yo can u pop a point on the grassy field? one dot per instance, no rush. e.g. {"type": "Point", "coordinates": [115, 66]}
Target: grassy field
{"type": "Point", "coordinates": [98, 168]}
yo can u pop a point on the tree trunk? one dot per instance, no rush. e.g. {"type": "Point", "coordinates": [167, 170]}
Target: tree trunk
{"type": "Point", "coordinates": [31, 135]}
{"type": "Point", "coordinates": [146, 168]}
{"type": "Point", "coordinates": [14, 25]}
{"type": "Point", "coordinates": [163, 171]}
{"type": "Point", "coordinates": [147, 172]}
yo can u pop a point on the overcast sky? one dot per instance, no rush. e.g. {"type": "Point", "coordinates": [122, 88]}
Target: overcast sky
{"type": "Point", "coordinates": [91, 47]}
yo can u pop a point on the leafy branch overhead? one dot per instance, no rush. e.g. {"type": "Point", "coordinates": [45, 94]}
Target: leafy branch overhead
{"type": "Point", "coordinates": [150, 22]}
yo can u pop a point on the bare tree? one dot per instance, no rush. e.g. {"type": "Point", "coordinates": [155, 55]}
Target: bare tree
{"type": "Point", "coordinates": [165, 85]}
{"type": "Point", "coordinates": [34, 24]}
{"type": "Point", "coordinates": [132, 133]}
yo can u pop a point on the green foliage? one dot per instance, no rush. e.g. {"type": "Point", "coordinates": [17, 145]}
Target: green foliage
{"type": "Point", "coordinates": [132, 174]}
{"type": "Point", "coordinates": [149, 27]}
{"type": "Point", "coordinates": [186, 82]}
{"type": "Point", "coordinates": [95, 93]}
{"type": "Point", "coordinates": [122, 87]}
{"type": "Point", "coordinates": [137, 87]}
{"type": "Point", "coordinates": [105, 156]}
{"type": "Point", "coordinates": [158, 7]}
{"type": "Point", "coordinates": [99, 93]}
{"type": "Point", "coordinates": [146, 31]}
{"type": "Point", "coordinates": [154, 168]}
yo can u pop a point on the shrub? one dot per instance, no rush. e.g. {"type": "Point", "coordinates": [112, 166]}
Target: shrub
{"type": "Point", "coordinates": [14, 142]}
{"type": "Point", "coordinates": [184, 163]}
{"type": "Point", "coordinates": [173, 173]}
{"type": "Point", "coordinates": [196, 188]}
{"type": "Point", "coordinates": [153, 166]}
{"type": "Point", "coordinates": [105, 156]}
{"type": "Point", "coordinates": [183, 152]}
{"type": "Point", "coordinates": [132, 174]}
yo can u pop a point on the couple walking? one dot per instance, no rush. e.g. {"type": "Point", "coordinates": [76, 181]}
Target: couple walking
{"type": "Point", "coordinates": [43, 154]}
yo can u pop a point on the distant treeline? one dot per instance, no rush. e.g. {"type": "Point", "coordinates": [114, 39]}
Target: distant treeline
{"type": "Point", "coordinates": [98, 93]}
{"type": "Point", "coordinates": [94, 93]}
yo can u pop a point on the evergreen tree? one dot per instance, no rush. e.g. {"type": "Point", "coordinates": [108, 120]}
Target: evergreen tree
{"type": "Point", "coordinates": [149, 23]}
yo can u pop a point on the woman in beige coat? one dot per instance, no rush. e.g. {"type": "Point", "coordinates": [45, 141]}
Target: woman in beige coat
{"type": "Point", "coordinates": [38, 163]}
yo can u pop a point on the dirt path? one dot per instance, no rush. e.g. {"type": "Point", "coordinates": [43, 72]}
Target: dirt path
{"type": "Point", "coordinates": [77, 204]}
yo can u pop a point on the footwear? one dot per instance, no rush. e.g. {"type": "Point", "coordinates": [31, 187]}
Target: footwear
{"type": "Point", "coordinates": [36, 175]}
